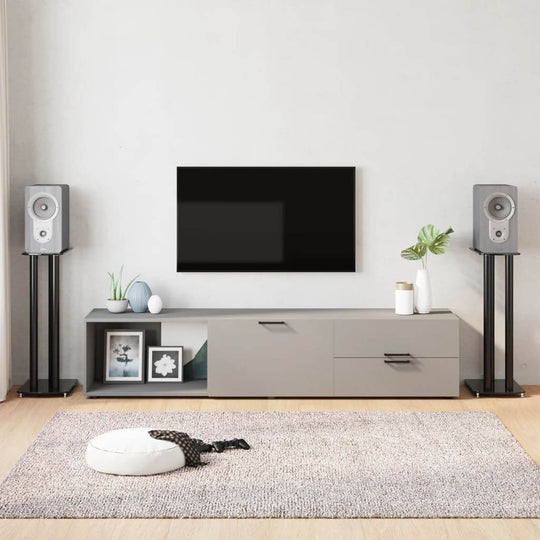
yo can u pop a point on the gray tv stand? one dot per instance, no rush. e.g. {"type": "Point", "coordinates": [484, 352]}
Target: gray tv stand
{"type": "Point", "coordinates": [294, 353]}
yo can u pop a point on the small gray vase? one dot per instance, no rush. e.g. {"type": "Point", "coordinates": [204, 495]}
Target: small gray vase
{"type": "Point", "coordinates": [138, 295]}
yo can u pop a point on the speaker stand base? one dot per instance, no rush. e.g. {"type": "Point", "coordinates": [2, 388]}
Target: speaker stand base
{"type": "Point", "coordinates": [65, 387]}
{"type": "Point", "coordinates": [477, 387]}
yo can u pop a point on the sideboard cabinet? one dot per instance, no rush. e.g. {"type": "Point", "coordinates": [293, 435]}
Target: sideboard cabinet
{"type": "Point", "coordinates": [296, 353]}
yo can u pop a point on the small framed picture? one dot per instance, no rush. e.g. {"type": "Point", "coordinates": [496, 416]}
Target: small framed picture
{"type": "Point", "coordinates": [165, 364]}
{"type": "Point", "coordinates": [124, 356]}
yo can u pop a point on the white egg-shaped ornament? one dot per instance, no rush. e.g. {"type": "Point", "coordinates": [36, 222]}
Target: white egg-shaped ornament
{"type": "Point", "coordinates": [155, 304]}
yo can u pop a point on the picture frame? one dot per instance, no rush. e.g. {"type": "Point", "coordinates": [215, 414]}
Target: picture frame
{"type": "Point", "coordinates": [124, 356]}
{"type": "Point", "coordinates": [164, 364]}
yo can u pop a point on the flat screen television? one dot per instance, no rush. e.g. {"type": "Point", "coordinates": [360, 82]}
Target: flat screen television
{"type": "Point", "coordinates": [266, 219]}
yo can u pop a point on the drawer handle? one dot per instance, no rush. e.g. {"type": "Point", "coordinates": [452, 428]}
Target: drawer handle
{"type": "Point", "coordinates": [404, 358]}
{"type": "Point", "coordinates": [272, 322]}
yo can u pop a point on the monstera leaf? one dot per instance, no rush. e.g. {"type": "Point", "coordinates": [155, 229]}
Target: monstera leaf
{"type": "Point", "coordinates": [414, 253]}
{"type": "Point", "coordinates": [434, 240]}
{"type": "Point", "coordinates": [429, 239]}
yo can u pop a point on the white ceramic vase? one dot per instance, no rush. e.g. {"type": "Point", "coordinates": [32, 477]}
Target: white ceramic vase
{"type": "Point", "coordinates": [155, 304]}
{"type": "Point", "coordinates": [117, 306]}
{"type": "Point", "coordinates": [422, 292]}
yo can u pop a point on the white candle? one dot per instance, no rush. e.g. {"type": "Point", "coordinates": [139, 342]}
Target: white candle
{"type": "Point", "coordinates": [404, 298]}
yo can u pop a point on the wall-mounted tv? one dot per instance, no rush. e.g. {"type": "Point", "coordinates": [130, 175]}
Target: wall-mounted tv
{"type": "Point", "coordinates": [266, 219]}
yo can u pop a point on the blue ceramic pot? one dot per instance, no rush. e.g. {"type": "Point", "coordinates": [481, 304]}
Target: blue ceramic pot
{"type": "Point", "coordinates": [138, 295]}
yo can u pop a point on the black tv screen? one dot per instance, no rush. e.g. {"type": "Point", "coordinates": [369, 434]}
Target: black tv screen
{"type": "Point", "coordinates": [266, 219]}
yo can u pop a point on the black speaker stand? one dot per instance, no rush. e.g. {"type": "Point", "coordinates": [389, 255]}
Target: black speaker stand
{"type": "Point", "coordinates": [53, 386]}
{"type": "Point", "coordinates": [489, 386]}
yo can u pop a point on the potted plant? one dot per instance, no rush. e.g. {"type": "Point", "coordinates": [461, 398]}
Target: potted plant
{"type": "Point", "coordinates": [430, 239]}
{"type": "Point", "coordinates": [117, 302]}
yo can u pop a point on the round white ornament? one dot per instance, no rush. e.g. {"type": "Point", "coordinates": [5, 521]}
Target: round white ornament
{"type": "Point", "coordinates": [155, 304]}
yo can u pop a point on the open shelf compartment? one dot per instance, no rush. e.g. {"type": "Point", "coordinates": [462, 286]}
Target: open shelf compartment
{"type": "Point", "coordinates": [95, 386]}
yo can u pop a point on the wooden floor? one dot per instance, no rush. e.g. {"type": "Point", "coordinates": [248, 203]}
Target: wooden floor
{"type": "Point", "coordinates": [21, 419]}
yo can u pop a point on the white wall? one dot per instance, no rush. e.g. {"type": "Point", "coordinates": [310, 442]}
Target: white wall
{"type": "Point", "coordinates": [425, 98]}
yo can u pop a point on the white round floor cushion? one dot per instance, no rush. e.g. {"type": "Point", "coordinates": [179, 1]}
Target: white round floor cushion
{"type": "Point", "coordinates": [133, 452]}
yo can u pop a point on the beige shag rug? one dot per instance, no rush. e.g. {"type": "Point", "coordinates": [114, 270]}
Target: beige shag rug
{"type": "Point", "coordinates": [301, 465]}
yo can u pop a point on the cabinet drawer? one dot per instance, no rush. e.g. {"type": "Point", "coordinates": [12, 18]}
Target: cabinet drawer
{"type": "Point", "coordinates": [421, 377]}
{"type": "Point", "coordinates": [270, 358]}
{"type": "Point", "coordinates": [420, 338]}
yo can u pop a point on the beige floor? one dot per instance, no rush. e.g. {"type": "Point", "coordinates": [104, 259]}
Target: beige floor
{"type": "Point", "coordinates": [22, 418]}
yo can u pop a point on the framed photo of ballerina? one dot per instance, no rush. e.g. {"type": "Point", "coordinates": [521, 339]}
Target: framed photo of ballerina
{"type": "Point", "coordinates": [124, 356]}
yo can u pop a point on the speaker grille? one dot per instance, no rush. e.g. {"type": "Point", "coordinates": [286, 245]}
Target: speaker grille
{"type": "Point", "coordinates": [499, 206]}
{"type": "Point", "coordinates": [44, 207]}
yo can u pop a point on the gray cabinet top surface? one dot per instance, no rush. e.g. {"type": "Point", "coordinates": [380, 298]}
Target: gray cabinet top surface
{"type": "Point", "coordinates": [203, 314]}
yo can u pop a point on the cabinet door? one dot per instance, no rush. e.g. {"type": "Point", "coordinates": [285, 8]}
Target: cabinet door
{"type": "Point", "coordinates": [270, 357]}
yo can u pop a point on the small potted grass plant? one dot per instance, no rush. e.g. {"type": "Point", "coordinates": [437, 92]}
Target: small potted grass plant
{"type": "Point", "coordinates": [117, 302]}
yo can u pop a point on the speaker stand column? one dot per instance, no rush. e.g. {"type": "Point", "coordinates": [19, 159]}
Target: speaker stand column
{"type": "Point", "coordinates": [54, 323]}
{"type": "Point", "coordinates": [509, 323]}
{"type": "Point", "coordinates": [53, 386]}
{"type": "Point", "coordinates": [489, 386]}
{"type": "Point", "coordinates": [33, 383]}
{"type": "Point", "coordinates": [489, 323]}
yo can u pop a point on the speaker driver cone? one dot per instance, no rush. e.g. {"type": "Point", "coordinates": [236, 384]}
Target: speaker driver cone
{"type": "Point", "coordinates": [44, 207]}
{"type": "Point", "coordinates": [499, 206]}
